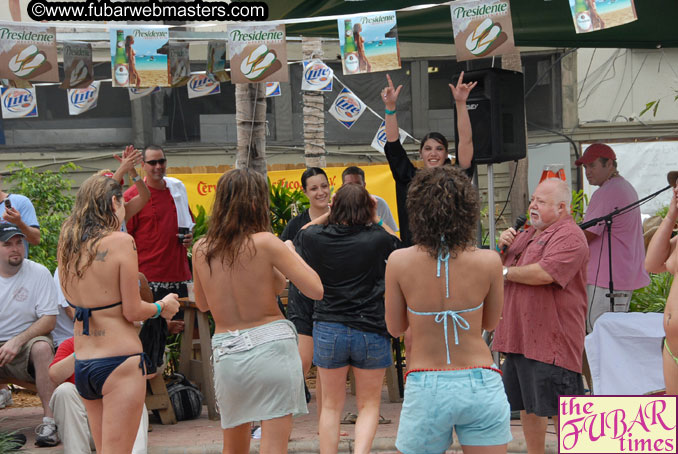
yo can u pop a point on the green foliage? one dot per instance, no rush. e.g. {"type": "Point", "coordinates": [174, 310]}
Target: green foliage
{"type": "Point", "coordinates": [285, 203]}
{"type": "Point", "coordinates": [579, 203]}
{"type": "Point", "coordinates": [662, 212]}
{"type": "Point", "coordinates": [50, 194]}
{"type": "Point", "coordinates": [653, 297]}
{"type": "Point", "coordinates": [653, 105]}
{"type": "Point", "coordinates": [7, 441]}
{"type": "Point", "coordinates": [201, 223]}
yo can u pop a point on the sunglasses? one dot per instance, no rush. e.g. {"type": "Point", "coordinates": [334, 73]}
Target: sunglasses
{"type": "Point", "coordinates": [155, 162]}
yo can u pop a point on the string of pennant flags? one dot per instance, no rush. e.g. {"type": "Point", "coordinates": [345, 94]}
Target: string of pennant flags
{"type": "Point", "coordinates": [144, 59]}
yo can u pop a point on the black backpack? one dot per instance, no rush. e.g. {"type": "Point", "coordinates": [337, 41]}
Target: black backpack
{"type": "Point", "coordinates": [186, 398]}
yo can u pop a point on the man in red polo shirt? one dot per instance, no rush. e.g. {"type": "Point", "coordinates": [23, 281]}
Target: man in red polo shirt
{"type": "Point", "coordinates": [162, 232]}
{"type": "Point", "coordinates": [542, 328]}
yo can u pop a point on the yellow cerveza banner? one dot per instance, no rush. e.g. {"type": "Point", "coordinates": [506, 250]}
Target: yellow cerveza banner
{"type": "Point", "coordinates": [202, 186]}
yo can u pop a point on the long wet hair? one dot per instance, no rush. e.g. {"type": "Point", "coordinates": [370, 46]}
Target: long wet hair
{"type": "Point", "coordinates": [352, 205]}
{"type": "Point", "coordinates": [443, 210]}
{"type": "Point", "coordinates": [92, 218]}
{"type": "Point", "coordinates": [241, 208]}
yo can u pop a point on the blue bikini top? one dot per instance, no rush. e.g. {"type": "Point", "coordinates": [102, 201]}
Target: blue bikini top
{"type": "Point", "coordinates": [457, 320]}
{"type": "Point", "coordinates": [82, 314]}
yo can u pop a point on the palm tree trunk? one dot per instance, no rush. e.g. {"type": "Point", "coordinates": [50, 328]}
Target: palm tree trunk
{"type": "Point", "coordinates": [250, 113]}
{"type": "Point", "coordinates": [314, 112]}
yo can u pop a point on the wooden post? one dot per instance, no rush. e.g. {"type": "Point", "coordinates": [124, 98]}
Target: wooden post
{"type": "Point", "coordinates": [520, 193]}
{"type": "Point", "coordinates": [314, 111]}
{"type": "Point", "coordinates": [250, 114]}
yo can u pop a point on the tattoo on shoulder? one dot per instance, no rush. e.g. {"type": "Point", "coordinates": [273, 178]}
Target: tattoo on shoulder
{"type": "Point", "coordinates": [101, 256]}
{"type": "Point", "coordinates": [134, 245]}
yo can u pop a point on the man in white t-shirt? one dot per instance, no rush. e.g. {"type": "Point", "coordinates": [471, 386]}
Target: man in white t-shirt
{"type": "Point", "coordinates": [356, 175]}
{"type": "Point", "coordinates": [28, 312]}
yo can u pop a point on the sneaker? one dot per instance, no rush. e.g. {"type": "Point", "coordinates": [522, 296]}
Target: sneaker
{"type": "Point", "coordinates": [47, 433]}
{"type": "Point", "coordinates": [5, 398]}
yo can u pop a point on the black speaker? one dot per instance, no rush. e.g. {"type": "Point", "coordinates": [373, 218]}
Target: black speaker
{"type": "Point", "coordinates": [496, 107]}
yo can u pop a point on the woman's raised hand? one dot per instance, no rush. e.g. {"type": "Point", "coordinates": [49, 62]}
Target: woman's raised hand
{"type": "Point", "coordinates": [462, 90]}
{"type": "Point", "coordinates": [390, 94]}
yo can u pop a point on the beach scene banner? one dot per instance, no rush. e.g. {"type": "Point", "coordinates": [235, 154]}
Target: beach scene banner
{"type": "Point", "coordinates": [28, 53]}
{"type": "Point", "coordinates": [369, 43]}
{"type": "Point", "coordinates": [139, 56]}
{"type": "Point", "coordinates": [258, 53]}
{"type": "Point", "coordinates": [136, 93]}
{"type": "Point", "coordinates": [347, 108]}
{"type": "Point", "coordinates": [317, 76]}
{"type": "Point", "coordinates": [81, 100]}
{"type": "Point", "coordinates": [18, 102]}
{"type": "Point", "coordinates": [216, 60]}
{"type": "Point", "coordinates": [202, 85]}
{"type": "Point", "coordinates": [78, 72]}
{"type": "Point", "coordinates": [179, 64]}
{"type": "Point", "coordinates": [482, 28]}
{"type": "Point", "coordinates": [593, 15]}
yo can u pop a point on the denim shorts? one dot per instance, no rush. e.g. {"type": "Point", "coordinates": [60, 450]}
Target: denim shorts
{"type": "Point", "coordinates": [336, 345]}
{"type": "Point", "coordinates": [470, 401]}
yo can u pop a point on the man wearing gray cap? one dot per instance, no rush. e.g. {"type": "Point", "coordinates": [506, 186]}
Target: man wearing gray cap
{"type": "Point", "coordinates": [28, 309]}
{"type": "Point", "coordinates": [628, 251]}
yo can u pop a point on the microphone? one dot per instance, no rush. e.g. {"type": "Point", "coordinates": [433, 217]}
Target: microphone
{"type": "Point", "coordinates": [520, 222]}
{"type": "Point", "coordinates": [671, 177]}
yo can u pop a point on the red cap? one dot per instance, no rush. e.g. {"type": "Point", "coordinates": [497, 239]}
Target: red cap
{"type": "Point", "coordinates": [595, 151]}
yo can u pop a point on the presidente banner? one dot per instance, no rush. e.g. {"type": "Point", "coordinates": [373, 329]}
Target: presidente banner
{"type": "Point", "coordinates": [482, 28]}
{"type": "Point", "coordinates": [28, 52]}
{"type": "Point", "coordinates": [139, 56]}
{"type": "Point", "coordinates": [202, 186]}
{"type": "Point", "coordinates": [78, 72]}
{"type": "Point", "coordinates": [258, 53]}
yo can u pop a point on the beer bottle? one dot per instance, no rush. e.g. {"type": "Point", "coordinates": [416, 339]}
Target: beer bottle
{"type": "Point", "coordinates": [582, 16]}
{"type": "Point", "coordinates": [351, 62]}
{"type": "Point", "coordinates": [120, 63]}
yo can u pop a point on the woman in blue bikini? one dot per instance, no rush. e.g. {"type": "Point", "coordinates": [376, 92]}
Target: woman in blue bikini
{"type": "Point", "coordinates": [447, 292]}
{"type": "Point", "coordinates": [98, 270]}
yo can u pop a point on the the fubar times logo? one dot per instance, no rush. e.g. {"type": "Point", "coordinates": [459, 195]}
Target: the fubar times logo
{"type": "Point", "coordinates": [617, 424]}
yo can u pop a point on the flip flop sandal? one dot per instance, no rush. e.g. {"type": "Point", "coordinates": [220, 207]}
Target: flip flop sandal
{"type": "Point", "coordinates": [383, 420]}
{"type": "Point", "coordinates": [350, 418]}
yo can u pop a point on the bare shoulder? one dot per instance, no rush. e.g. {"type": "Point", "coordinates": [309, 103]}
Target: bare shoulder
{"type": "Point", "coordinates": [118, 239]}
{"type": "Point", "coordinates": [266, 239]}
{"type": "Point", "coordinates": [199, 247]}
{"type": "Point", "coordinates": [488, 256]}
{"type": "Point", "coordinates": [401, 257]}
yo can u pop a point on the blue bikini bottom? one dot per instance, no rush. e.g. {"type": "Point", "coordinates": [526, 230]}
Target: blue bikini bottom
{"type": "Point", "coordinates": [91, 374]}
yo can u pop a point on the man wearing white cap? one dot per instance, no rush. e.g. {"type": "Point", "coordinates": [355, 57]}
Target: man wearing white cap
{"type": "Point", "coordinates": [28, 312]}
{"type": "Point", "coordinates": [628, 251]}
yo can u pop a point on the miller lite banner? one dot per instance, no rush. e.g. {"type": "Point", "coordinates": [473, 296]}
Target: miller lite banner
{"type": "Point", "coordinates": [18, 103]}
{"type": "Point", "coordinates": [379, 140]}
{"type": "Point", "coordinates": [273, 89]}
{"type": "Point", "coordinates": [78, 72]}
{"type": "Point", "coordinates": [482, 28]}
{"type": "Point", "coordinates": [83, 99]}
{"type": "Point", "coordinates": [347, 108]}
{"type": "Point", "coordinates": [28, 52]}
{"type": "Point", "coordinates": [258, 53]}
{"type": "Point", "coordinates": [317, 76]}
{"type": "Point", "coordinates": [136, 93]}
{"type": "Point", "coordinates": [202, 85]}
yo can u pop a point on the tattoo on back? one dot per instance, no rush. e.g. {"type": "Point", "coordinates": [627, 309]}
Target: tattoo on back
{"type": "Point", "coordinates": [101, 256]}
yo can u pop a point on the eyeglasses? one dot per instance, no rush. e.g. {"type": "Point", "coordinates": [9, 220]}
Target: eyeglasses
{"type": "Point", "coordinates": [155, 162]}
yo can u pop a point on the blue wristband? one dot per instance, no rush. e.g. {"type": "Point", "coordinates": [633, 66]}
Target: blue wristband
{"type": "Point", "coordinates": [381, 222]}
{"type": "Point", "coordinates": [159, 308]}
{"type": "Point", "coordinates": [389, 112]}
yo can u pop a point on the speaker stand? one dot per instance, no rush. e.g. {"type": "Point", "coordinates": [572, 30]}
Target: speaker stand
{"type": "Point", "coordinates": [490, 206]}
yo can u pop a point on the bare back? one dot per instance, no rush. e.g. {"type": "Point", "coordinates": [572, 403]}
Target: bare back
{"type": "Point", "coordinates": [110, 334]}
{"type": "Point", "coordinates": [474, 278]}
{"type": "Point", "coordinates": [244, 295]}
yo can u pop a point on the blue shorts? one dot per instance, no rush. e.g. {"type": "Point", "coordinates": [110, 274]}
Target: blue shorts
{"type": "Point", "coordinates": [470, 401]}
{"type": "Point", "coordinates": [336, 345]}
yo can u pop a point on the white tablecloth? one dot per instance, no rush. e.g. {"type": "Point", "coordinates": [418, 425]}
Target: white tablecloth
{"type": "Point", "coordinates": [624, 353]}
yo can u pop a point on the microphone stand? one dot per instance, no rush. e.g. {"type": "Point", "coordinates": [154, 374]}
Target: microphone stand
{"type": "Point", "coordinates": [608, 227]}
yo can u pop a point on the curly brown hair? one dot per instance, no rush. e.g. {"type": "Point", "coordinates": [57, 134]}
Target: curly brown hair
{"type": "Point", "coordinates": [92, 218]}
{"type": "Point", "coordinates": [443, 207]}
{"type": "Point", "coordinates": [241, 208]}
{"type": "Point", "coordinates": [352, 205]}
